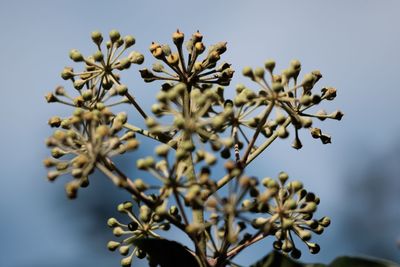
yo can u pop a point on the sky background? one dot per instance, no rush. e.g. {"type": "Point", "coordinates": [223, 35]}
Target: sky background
{"type": "Point", "coordinates": [354, 43]}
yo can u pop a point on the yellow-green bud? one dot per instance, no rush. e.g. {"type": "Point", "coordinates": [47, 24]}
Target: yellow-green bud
{"type": "Point", "coordinates": [259, 73]}
{"type": "Point", "coordinates": [114, 36]}
{"type": "Point", "coordinates": [112, 222]}
{"type": "Point", "coordinates": [98, 56]}
{"type": "Point", "coordinates": [129, 41]}
{"type": "Point", "coordinates": [97, 37]}
{"type": "Point", "coordinates": [140, 185]}
{"type": "Point", "coordinates": [162, 150]}
{"type": "Point", "coordinates": [248, 72]}
{"type": "Point", "coordinates": [283, 176]}
{"type": "Point", "coordinates": [118, 231]}
{"type": "Point", "coordinates": [136, 58]}
{"type": "Point", "coordinates": [87, 95]}
{"type": "Point", "coordinates": [124, 250]}
{"type": "Point", "coordinates": [112, 245]}
{"type": "Point", "coordinates": [269, 65]}
{"type": "Point", "coordinates": [122, 89]}
{"type": "Point", "coordinates": [145, 213]}
{"type": "Point", "coordinates": [126, 262]}
{"type": "Point", "coordinates": [75, 55]}
{"type": "Point", "coordinates": [178, 37]}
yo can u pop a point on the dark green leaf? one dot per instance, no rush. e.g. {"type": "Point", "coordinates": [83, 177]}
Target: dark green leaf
{"type": "Point", "coordinates": [166, 253]}
{"type": "Point", "coordinates": [276, 259]}
{"type": "Point", "coordinates": [361, 262]}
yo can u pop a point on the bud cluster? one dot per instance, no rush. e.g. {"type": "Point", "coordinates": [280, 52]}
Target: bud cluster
{"type": "Point", "coordinates": [99, 81]}
{"type": "Point", "coordinates": [197, 116]}
{"type": "Point", "coordinates": [86, 139]}
{"type": "Point", "coordinates": [195, 72]}
{"type": "Point", "coordinates": [142, 226]}
{"type": "Point", "coordinates": [291, 98]}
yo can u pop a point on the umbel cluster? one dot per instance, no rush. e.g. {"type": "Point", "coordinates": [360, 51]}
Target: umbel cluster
{"type": "Point", "coordinates": [196, 126]}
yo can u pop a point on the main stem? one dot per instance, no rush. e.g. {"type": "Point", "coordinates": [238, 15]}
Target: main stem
{"type": "Point", "coordinates": [198, 214]}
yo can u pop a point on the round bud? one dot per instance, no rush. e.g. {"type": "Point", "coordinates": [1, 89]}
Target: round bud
{"type": "Point", "coordinates": [75, 55]}
{"type": "Point", "coordinates": [67, 73]}
{"type": "Point", "coordinates": [112, 245]}
{"type": "Point", "coordinates": [124, 250]}
{"type": "Point", "coordinates": [306, 100]}
{"type": "Point", "coordinates": [269, 65]}
{"type": "Point", "coordinates": [277, 87]}
{"type": "Point", "coordinates": [295, 254]}
{"type": "Point", "coordinates": [114, 36]}
{"type": "Point", "coordinates": [129, 41]}
{"type": "Point", "coordinates": [122, 89]}
{"type": "Point", "coordinates": [177, 38]}
{"type": "Point", "coordinates": [296, 185]}
{"type": "Point", "coordinates": [98, 56]}
{"type": "Point", "coordinates": [97, 37]}
{"type": "Point", "coordinates": [325, 221]}
{"type": "Point", "coordinates": [87, 95]}
{"type": "Point", "coordinates": [282, 132]}
{"type": "Point", "coordinates": [132, 226]}
{"type": "Point", "coordinates": [140, 185]}
{"type": "Point", "coordinates": [259, 73]}
{"type": "Point", "coordinates": [283, 176]}
{"type": "Point", "coordinates": [126, 262]}
{"type": "Point", "coordinates": [112, 222]}
{"type": "Point", "coordinates": [248, 72]}
{"type": "Point", "coordinates": [162, 150]}
{"type": "Point", "coordinates": [140, 254]}
{"type": "Point", "coordinates": [313, 247]}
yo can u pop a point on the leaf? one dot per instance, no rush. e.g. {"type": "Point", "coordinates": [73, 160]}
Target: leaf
{"type": "Point", "coordinates": [276, 259]}
{"type": "Point", "coordinates": [361, 262]}
{"type": "Point", "coordinates": [166, 253]}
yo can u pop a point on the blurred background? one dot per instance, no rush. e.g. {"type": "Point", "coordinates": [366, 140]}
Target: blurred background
{"type": "Point", "coordinates": [355, 44]}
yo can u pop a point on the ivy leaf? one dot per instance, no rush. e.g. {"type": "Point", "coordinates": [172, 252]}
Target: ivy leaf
{"type": "Point", "coordinates": [166, 253]}
{"type": "Point", "coordinates": [276, 259]}
{"type": "Point", "coordinates": [361, 262]}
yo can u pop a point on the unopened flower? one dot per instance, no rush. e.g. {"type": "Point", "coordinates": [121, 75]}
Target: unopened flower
{"type": "Point", "coordinates": [86, 139]}
{"type": "Point", "coordinates": [140, 226]}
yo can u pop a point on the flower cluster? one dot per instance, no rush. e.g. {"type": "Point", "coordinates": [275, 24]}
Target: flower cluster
{"type": "Point", "coordinates": [100, 80]}
{"type": "Point", "coordinates": [142, 226]}
{"type": "Point", "coordinates": [196, 114]}
{"type": "Point", "coordinates": [194, 73]}
{"type": "Point", "coordinates": [280, 209]}
{"type": "Point", "coordinates": [291, 98]}
{"type": "Point", "coordinates": [84, 140]}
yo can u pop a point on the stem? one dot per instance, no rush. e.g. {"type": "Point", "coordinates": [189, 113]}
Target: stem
{"type": "Point", "coordinates": [163, 138]}
{"type": "Point", "coordinates": [266, 144]}
{"type": "Point", "coordinates": [198, 216]}
{"type": "Point", "coordinates": [257, 132]}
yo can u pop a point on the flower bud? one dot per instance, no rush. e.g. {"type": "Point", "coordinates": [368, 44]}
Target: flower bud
{"type": "Point", "coordinates": [129, 40]}
{"type": "Point", "coordinates": [98, 56]}
{"type": "Point", "coordinates": [124, 250]}
{"type": "Point", "coordinates": [112, 222]}
{"type": "Point", "coordinates": [140, 185]}
{"type": "Point", "coordinates": [114, 36]}
{"type": "Point", "coordinates": [112, 245]}
{"type": "Point", "coordinates": [178, 37]}
{"type": "Point", "coordinates": [136, 58]}
{"type": "Point", "coordinates": [269, 65]}
{"type": "Point", "coordinates": [145, 213]}
{"type": "Point", "coordinates": [67, 73]}
{"type": "Point", "coordinates": [97, 37]}
{"type": "Point", "coordinates": [259, 73]}
{"type": "Point", "coordinates": [126, 262]}
{"type": "Point", "coordinates": [75, 55]}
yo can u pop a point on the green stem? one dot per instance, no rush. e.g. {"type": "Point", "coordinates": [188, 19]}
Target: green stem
{"type": "Point", "coordinates": [198, 215]}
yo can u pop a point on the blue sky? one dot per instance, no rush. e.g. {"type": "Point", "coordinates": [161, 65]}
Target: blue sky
{"type": "Point", "coordinates": [354, 44]}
